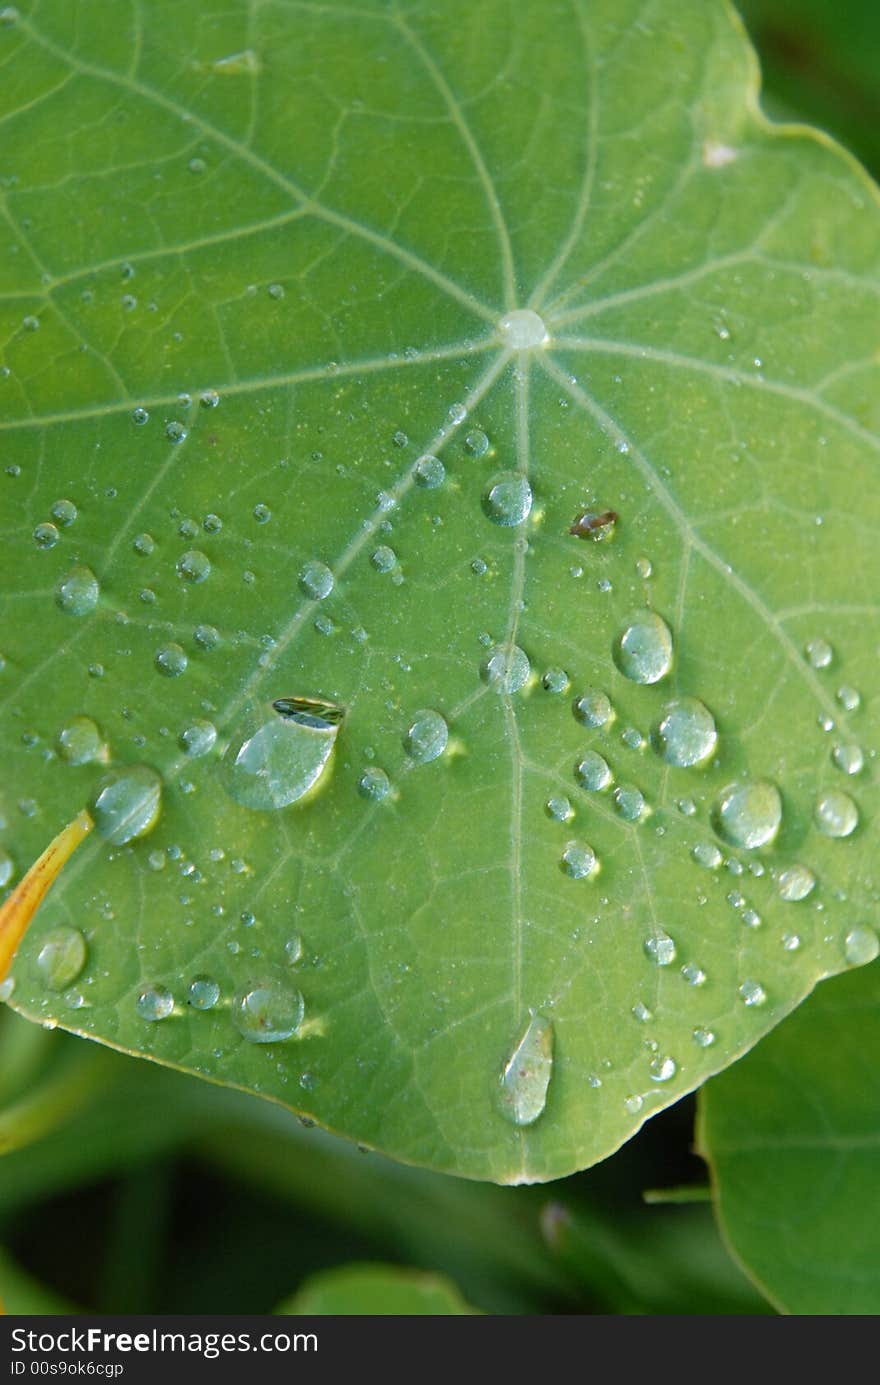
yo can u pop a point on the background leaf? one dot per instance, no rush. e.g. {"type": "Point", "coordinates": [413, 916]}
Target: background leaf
{"type": "Point", "coordinates": [791, 1135]}
{"type": "Point", "coordinates": [377, 1289]}
{"type": "Point", "coordinates": [324, 215]}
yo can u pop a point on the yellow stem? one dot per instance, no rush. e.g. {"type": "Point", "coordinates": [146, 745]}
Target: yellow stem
{"type": "Point", "coordinates": [26, 898]}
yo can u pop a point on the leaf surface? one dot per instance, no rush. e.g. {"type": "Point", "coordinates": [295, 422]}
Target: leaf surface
{"type": "Point", "coordinates": [371, 1290]}
{"type": "Point", "coordinates": [260, 269]}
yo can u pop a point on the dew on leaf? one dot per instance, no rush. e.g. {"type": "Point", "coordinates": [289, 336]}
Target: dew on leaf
{"type": "Point", "coordinates": [526, 1074]}
{"type": "Point", "coordinates": [61, 957]}
{"type": "Point", "coordinates": [127, 804]}
{"type": "Point", "coordinates": [752, 993]}
{"type": "Point", "coordinates": [629, 802]}
{"type": "Point", "coordinates": [556, 681]}
{"type": "Point", "coordinates": [749, 814]}
{"type": "Point", "coordinates": [7, 868]}
{"type": "Point", "coordinates": [660, 949]}
{"type": "Point", "coordinates": [593, 771]}
{"type": "Point", "coordinates": [795, 883]}
{"type": "Point", "coordinates": [521, 329]}
{"type": "Point", "coordinates": [198, 738]}
{"type": "Point", "coordinates": [77, 593]}
{"type": "Point", "coordinates": [579, 861]}
{"type": "Point", "coordinates": [383, 558]}
{"type": "Point", "coordinates": [704, 1038]}
{"type": "Point", "coordinates": [706, 854]}
{"type": "Point", "coordinates": [693, 975]}
{"type": "Point", "coordinates": [267, 1011]}
{"type": "Point", "coordinates": [203, 993]}
{"type": "Point", "coordinates": [170, 660]}
{"type": "Point", "coordinates": [175, 431]}
{"type": "Point", "coordinates": [429, 472]}
{"type": "Point", "coordinates": [476, 442]}
{"type": "Point", "coordinates": [849, 759]}
{"type": "Point", "coordinates": [194, 566]}
{"type": "Point", "coordinates": [819, 653]}
{"type": "Point", "coordinates": [643, 649]}
{"type": "Point", "coordinates": [593, 708]}
{"type": "Point", "coordinates": [144, 544]}
{"type": "Point", "coordinates": [836, 814]}
{"type": "Point", "coordinates": [155, 1003]}
{"type": "Point", "coordinates": [64, 512]}
{"type": "Point", "coordinates": [206, 636]}
{"type": "Point", "coordinates": [849, 698]}
{"type": "Point", "coordinates": [426, 738]}
{"type": "Point", "coordinates": [662, 1069]}
{"type": "Point", "coordinates": [507, 499]}
{"type": "Point", "coordinates": [686, 735]}
{"type": "Point", "coordinates": [861, 945]}
{"type": "Point", "coordinates": [272, 764]}
{"type": "Point", "coordinates": [80, 742]}
{"type": "Point", "coordinates": [507, 669]}
{"type": "Point", "coordinates": [374, 784]}
{"type": "Point", "coordinates": [316, 580]}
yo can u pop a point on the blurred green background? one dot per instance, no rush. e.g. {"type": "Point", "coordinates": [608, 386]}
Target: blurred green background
{"type": "Point", "coordinates": [127, 1188]}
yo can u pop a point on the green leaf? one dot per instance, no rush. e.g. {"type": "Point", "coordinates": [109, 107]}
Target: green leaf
{"type": "Point", "coordinates": [793, 1139]}
{"type": "Point", "coordinates": [371, 1290]}
{"type": "Point", "coordinates": [326, 214]}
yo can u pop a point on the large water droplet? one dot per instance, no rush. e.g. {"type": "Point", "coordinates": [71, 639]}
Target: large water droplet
{"type": "Point", "coordinates": [77, 593]}
{"type": "Point", "coordinates": [62, 957]}
{"type": "Point", "coordinates": [749, 814]}
{"type": "Point", "coordinates": [861, 945]}
{"type": "Point", "coordinates": [521, 329]}
{"type": "Point", "coordinates": [687, 734]}
{"type": "Point", "coordinates": [643, 651]}
{"type": "Point", "coordinates": [267, 1012]}
{"type": "Point", "coordinates": [427, 737]}
{"type": "Point", "coordinates": [271, 764]}
{"type": "Point", "coordinates": [507, 669]}
{"type": "Point", "coordinates": [508, 499]}
{"type": "Point", "coordinates": [194, 566]}
{"type": "Point", "coordinates": [80, 742]}
{"type": "Point", "coordinates": [526, 1075]}
{"type": "Point", "coordinates": [127, 804]}
{"type": "Point", "coordinates": [836, 814]}
{"type": "Point", "coordinates": [594, 708]}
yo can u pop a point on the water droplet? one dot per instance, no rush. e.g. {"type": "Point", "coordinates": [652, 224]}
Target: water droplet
{"type": "Point", "coordinates": [629, 802]}
{"type": "Point", "coordinates": [203, 993]}
{"type": "Point", "coordinates": [429, 472]}
{"type": "Point", "coordinates": [175, 431]}
{"type": "Point", "coordinates": [206, 637]}
{"type": "Point", "coordinates": [556, 680]}
{"type": "Point", "coordinates": [579, 861]}
{"type": "Point", "coordinates": [46, 536]}
{"type": "Point", "coordinates": [795, 882]}
{"type": "Point", "coordinates": [526, 1075]}
{"type": "Point", "coordinates": [127, 804]}
{"type": "Point", "coordinates": [374, 784]}
{"type": "Point", "coordinates": [849, 698]}
{"type": "Point", "coordinates": [427, 737]}
{"type": "Point", "coordinates": [707, 854]}
{"type": "Point", "coordinates": [522, 329]}
{"type": "Point", "coordinates": [660, 948]}
{"type": "Point", "coordinates": [594, 708]}
{"type": "Point", "coordinates": [140, 416]}
{"type": "Point", "coordinates": [154, 1003]}
{"type": "Point", "coordinates": [80, 742]}
{"type": "Point", "coordinates": [861, 945]}
{"type": "Point", "coordinates": [65, 512]}
{"type": "Point", "coordinates": [293, 950]}
{"type": "Point", "coordinates": [6, 989]}
{"type": "Point", "coordinates": [270, 765]}
{"type": "Point", "coordinates": [144, 544]}
{"type": "Point", "coordinates": [593, 772]}
{"type": "Point", "coordinates": [383, 558]}
{"type": "Point", "coordinates": [850, 759]}
{"type": "Point", "coordinates": [641, 1012]}
{"type": "Point", "coordinates": [7, 868]}
{"type": "Point", "coordinates": [632, 738]}
{"type": "Point", "coordinates": [507, 669]}
{"type": "Point", "coordinates": [62, 957]}
{"type": "Point", "coordinates": [687, 734]}
{"type": "Point", "coordinates": [212, 524]}
{"type": "Point", "coordinates": [633, 1104]}
{"type": "Point", "coordinates": [316, 580]}
{"type": "Point", "coordinates": [267, 1012]}
{"type": "Point", "coordinates": [819, 653]}
{"type": "Point", "coordinates": [704, 1038]}
{"type": "Point", "coordinates": [749, 814]}
{"type": "Point", "coordinates": [693, 975]}
{"type": "Point", "coordinates": [791, 942]}
{"type": "Point", "coordinates": [170, 660]}
{"type": "Point", "coordinates": [30, 323]}
{"type": "Point", "coordinates": [836, 814]}
{"type": "Point", "coordinates": [194, 566]}
{"type": "Point", "coordinates": [643, 651]}
{"type": "Point", "coordinates": [508, 499]}
{"type": "Point", "coordinates": [644, 568]}
{"type": "Point", "coordinates": [752, 993]}
{"type": "Point", "coordinates": [77, 593]}
{"type": "Point", "coordinates": [198, 738]}
{"type": "Point", "coordinates": [276, 291]}
{"type": "Point", "coordinates": [662, 1069]}
{"type": "Point", "coordinates": [209, 399]}
{"type": "Point", "coordinates": [197, 165]}
{"type": "Point", "coordinates": [477, 442]}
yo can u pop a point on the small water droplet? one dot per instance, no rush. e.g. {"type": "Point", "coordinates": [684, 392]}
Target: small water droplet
{"type": "Point", "coordinates": [170, 660]}
{"type": "Point", "coordinates": [749, 814]}
{"type": "Point", "coordinates": [293, 950]}
{"type": "Point", "coordinates": [209, 399]}
{"type": "Point", "coordinates": [80, 742]}
{"type": "Point", "coordinates": [46, 536]}
{"type": "Point", "coordinates": [861, 945]}
{"type": "Point", "coordinates": [7, 868]}
{"type": "Point", "coordinates": [579, 861]}
{"type": "Point", "coordinates": [593, 772]}
{"type": "Point", "coordinates": [526, 1075]}
{"type": "Point", "coordinates": [429, 472]}
{"type": "Point", "coordinates": [374, 784]}
{"type": "Point", "coordinates": [508, 499]}
{"type": "Point", "coordinates": [662, 1069]}
{"type": "Point", "coordinates": [556, 681]}
{"type": "Point", "coordinates": [795, 882]}
{"type": "Point", "coordinates": [77, 593]}
{"type": "Point", "coordinates": [194, 566]}
{"type": "Point", "coordinates": [632, 738]}
{"type": "Point", "coordinates": [836, 814]}
{"type": "Point", "coordinates": [507, 669]}
{"type": "Point", "coordinates": [849, 698]}
{"type": "Point", "coordinates": [272, 764]}
{"type": "Point", "coordinates": [316, 580]}
{"type": "Point", "coordinates": [643, 651]}
{"type": "Point", "coordinates": [206, 636]}
{"type": "Point", "coordinates": [686, 735]}
{"type": "Point", "coordinates": [427, 737]}
{"type": "Point", "coordinates": [633, 1104]}
{"type": "Point", "coordinates": [203, 993]}
{"type": "Point", "coordinates": [198, 738]}
{"type": "Point", "coordinates": [660, 948]}
{"type": "Point", "coordinates": [629, 802]}
{"type": "Point", "coordinates": [175, 431]}
{"type": "Point", "coordinates": [127, 804]}
{"type": "Point", "coordinates": [752, 993]}
{"type": "Point", "coordinates": [693, 975]}
{"type": "Point", "coordinates": [383, 558]}
{"type": "Point", "coordinates": [140, 416]}
{"type": "Point", "coordinates": [477, 442]}
{"type": "Point", "coordinates": [65, 512]}
{"type": "Point", "coordinates": [521, 329]}
{"type": "Point", "coordinates": [641, 1013]}
{"type": "Point", "coordinates": [593, 708]}
{"type": "Point", "coordinates": [154, 1003]}
{"type": "Point", "coordinates": [267, 1012]}
{"type": "Point", "coordinates": [819, 653]}
{"type": "Point", "coordinates": [704, 1038]}
{"type": "Point", "coordinates": [849, 759]}
{"type": "Point", "coordinates": [144, 544]}
{"type": "Point", "coordinates": [707, 854]}
{"type": "Point", "coordinates": [61, 958]}
{"type": "Point", "coordinates": [791, 942]}
{"type": "Point", "coordinates": [644, 568]}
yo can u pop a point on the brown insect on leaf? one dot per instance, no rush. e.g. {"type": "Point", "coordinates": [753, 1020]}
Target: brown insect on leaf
{"type": "Point", "coordinates": [594, 525]}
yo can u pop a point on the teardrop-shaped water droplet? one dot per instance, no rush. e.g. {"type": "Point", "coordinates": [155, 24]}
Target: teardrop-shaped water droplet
{"type": "Point", "coordinates": [61, 957]}
{"type": "Point", "coordinates": [127, 804]}
{"type": "Point", "coordinates": [643, 650]}
{"type": "Point", "coordinates": [749, 814]}
{"type": "Point", "coordinates": [861, 945]}
{"type": "Point", "coordinates": [508, 499]}
{"type": "Point", "coordinates": [836, 814]}
{"type": "Point", "coordinates": [593, 772]}
{"type": "Point", "coordinates": [270, 764]}
{"type": "Point", "coordinates": [526, 1075]}
{"type": "Point", "coordinates": [77, 593]}
{"type": "Point", "coordinates": [267, 1011]}
{"type": "Point", "coordinates": [507, 669]}
{"type": "Point", "coordinates": [427, 737]}
{"type": "Point", "coordinates": [686, 735]}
